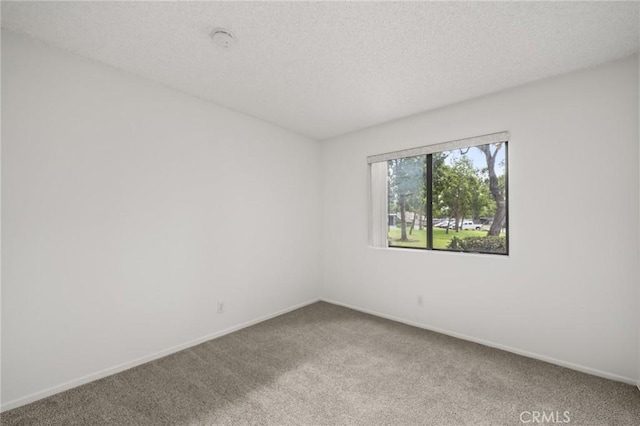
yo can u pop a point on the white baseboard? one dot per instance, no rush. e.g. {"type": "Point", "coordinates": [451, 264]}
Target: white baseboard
{"type": "Point", "coordinates": [528, 354]}
{"type": "Point", "coordinates": [142, 360]}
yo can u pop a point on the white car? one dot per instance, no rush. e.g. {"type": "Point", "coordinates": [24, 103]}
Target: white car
{"type": "Point", "coordinates": [468, 224]}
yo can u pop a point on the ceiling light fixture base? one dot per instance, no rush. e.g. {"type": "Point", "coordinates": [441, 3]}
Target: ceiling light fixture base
{"type": "Point", "coordinates": [223, 37]}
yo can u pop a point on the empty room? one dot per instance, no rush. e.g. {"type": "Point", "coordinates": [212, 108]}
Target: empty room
{"type": "Point", "coordinates": [320, 213]}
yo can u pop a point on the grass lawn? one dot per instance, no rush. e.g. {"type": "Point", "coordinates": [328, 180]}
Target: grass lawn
{"type": "Point", "coordinates": [419, 238]}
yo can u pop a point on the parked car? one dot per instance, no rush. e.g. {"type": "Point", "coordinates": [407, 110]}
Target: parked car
{"type": "Point", "coordinates": [466, 225]}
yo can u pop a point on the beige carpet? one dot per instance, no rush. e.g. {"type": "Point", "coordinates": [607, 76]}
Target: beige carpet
{"type": "Point", "coordinates": [327, 365]}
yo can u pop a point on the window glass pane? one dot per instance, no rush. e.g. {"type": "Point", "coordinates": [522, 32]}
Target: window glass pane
{"type": "Point", "coordinates": [469, 199]}
{"type": "Point", "coordinates": [407, 202]}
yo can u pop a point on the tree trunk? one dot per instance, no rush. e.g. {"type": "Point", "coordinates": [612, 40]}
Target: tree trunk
{"type": "Point", "coordinates": [413, 224]}
{"type": "Point", "coordinates": [494, 187]}
{"type": "Point", "coordinates": [403, 218]}
{"type": "Point", "coordinates": [498, 219]}
{"type": "Point", "coordinates": [455, 208]}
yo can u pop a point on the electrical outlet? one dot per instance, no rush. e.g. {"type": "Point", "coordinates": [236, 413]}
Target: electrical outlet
{"type": "Point", "coordinates": [221, 307]}
{"type": "Point", "coordinates": [420, 300]}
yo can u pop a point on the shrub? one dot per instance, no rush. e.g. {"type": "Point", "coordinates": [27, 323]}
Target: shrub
{"type": "Point", "coordinates": [488, 244]}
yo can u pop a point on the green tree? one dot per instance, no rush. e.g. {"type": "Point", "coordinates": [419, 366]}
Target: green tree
{"type": "Point", "coordinates": [440, 208]}
{"type": "Point", "coordinates": [406, 189]}
{"type": "Point", "coordinates": [482, 204]}
{"type": "Point", "coordinates": [459, 183]}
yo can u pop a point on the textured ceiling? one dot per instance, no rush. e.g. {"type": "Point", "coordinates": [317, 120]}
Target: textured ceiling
{"type": "Point", "coordinates": [327, 68]}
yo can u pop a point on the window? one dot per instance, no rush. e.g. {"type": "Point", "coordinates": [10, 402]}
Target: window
{"type": "Point", "coordinates": [451, 196]}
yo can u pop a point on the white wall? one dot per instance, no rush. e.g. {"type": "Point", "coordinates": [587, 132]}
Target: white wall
{"type": "Point", "coordinates": [568, 291]}
{"type": "Point", "coordinates": [129, 210]}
